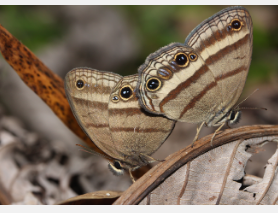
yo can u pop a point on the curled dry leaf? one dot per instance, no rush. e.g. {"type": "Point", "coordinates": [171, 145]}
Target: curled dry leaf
{"type": "Point", "coordinates": [20, 180]}
{"type": "Point", "coordinates": [215, 177]}
{"type": "Point", "coordinates": [34, 170]}
{"type": "Point", "coordinates": [46, 84]}
{"type": "Point", "coordinates": [93, 198]}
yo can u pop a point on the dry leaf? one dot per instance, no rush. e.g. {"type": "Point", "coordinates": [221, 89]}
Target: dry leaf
{"type": "Point", "coordinates": [34, 170]}
{"type": "Point", "coordinates": [93, 198]}
{"type": "Point", "coordinates": [215, 177]}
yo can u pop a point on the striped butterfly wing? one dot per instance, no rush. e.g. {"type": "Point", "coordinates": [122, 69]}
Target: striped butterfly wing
{"type": "Point", "coordinates": [195, 81]}
{"type": "Point", "coordinates": [169, 87]}
{"type": "Point", "coordinates": [88, 93]}
{"type": "Point", "coordinates": [225, 42]}
{"type": "Point", "coordinates": [136, 134]}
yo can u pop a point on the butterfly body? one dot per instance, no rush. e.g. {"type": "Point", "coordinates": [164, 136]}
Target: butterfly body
{"type": "Point", "coordinates": [201, 80]}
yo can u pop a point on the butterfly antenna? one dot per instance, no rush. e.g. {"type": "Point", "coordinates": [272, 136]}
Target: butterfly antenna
{"type": "Point", "coordinates": [240, 108]}
{"type": "Point", "coordinates": [88, 150]}
{"type": "Point", "coordinates": [247, 97]}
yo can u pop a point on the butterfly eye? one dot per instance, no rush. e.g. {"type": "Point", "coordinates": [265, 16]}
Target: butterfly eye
{"type": "Point", "coordinates": [126, 93]}
{"type": "Point", "coordinates": [118, 165]}
{"type": "Point", "coordinates": [80, 84]}
{"type": "Point", "coordinates": [193, 57]}
{"type": "Point", "coordinates": [234, 117]}
{"type": "Point", "coordinates": [116, 168]}
{"type": "Point", "coordinates": [153, 84]}
{"type": "Point", "coordinates": [181, 59]}
{"type": "Point", "coordinates": [235, 25]}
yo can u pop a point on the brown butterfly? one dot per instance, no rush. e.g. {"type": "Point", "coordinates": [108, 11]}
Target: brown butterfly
{"type": "Point", "coordinates": [201, 80]}
{"type": "Point", "coordinates": [107, 109]}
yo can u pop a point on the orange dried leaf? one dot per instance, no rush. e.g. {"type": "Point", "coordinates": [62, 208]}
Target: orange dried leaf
{"type": "Point", "coordinates": [46, 84]}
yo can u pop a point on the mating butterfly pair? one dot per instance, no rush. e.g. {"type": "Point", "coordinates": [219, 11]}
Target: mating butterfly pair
{"type": "Point", "coordinates": [199, 81]}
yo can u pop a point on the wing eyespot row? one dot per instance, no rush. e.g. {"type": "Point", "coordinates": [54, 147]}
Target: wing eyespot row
{"type": "Point", "coordinates": [235, 25]}
{"type": "Point", "coordinates": [193, 57]}
{"type": "Point", "coordinates": [153, 84]}
{"type": "Point", "coordinates": [126, 92]}
{"type": "Point", "coordinates": [181, 59]}
{"type": "Point", "coordinates": [80, 84]}
{"type": "Point", "coordinates": [165, 73]}
{"type": "Point", "coordinates": [115, 99]}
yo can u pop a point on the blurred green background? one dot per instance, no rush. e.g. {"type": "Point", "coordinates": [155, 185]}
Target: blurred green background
{"type": "Point", "coordinates": [155, 26]}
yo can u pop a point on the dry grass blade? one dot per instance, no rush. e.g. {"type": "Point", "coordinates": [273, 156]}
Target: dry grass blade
{"type": "Point", "coordinates": [46, 84]}
{"type": "Point", "coordinates": [208, 174]}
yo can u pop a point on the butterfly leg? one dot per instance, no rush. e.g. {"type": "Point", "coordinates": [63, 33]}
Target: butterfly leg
{"type": "Point", "coordinates": [216, 132]}
{"type": "Point", "coordinates": [148, 159]}
{"type": "Point", "coordinates": [228, 125]}
{"type": "Point", "coordinates": [131, 176]}
{"type": "Point", "coordinates": [198, 132]}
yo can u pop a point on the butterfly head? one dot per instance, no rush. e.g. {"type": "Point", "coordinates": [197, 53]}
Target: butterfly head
{"type": "Point", "coordinates": [234, 116]}
{"type": "Point", "coordinates": [116, 168]}
{"type": "Point", "coordinates": [231, 116]}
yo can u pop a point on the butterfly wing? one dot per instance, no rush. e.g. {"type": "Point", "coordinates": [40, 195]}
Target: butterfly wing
{"type": "Point", "coordinates": [196, 91]}
{"type": "Point", "coordinates": [135, 132]}
{"type": "Point", "coordinates": [176, 96]}
{"type": "Point", "coordinates": [89, 103]}
{"type": "Point", "coordinates": [225, 41]}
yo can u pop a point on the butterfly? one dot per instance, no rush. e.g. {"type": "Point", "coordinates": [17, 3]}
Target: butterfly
{"type": "Point", "coordinates": [201, 80]}
{"type": "Point", "coordinates": [107, 109]}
